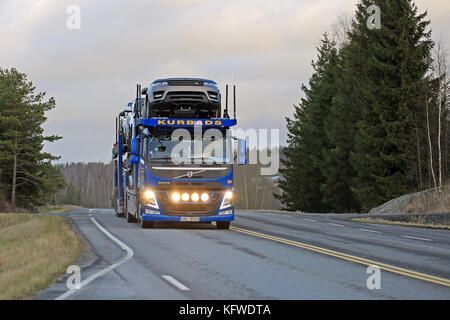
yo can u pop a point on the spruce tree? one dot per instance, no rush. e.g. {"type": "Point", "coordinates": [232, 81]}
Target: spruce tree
{"type": "Point", "coordinates": [340, 127]}
{"type": "Point", "coordinates": [307, 138]}
{"type": "Point", "coordinates": [397, 61]}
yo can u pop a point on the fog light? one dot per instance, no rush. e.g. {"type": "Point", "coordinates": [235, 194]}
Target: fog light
{"type": "Point", "coordinates": [195, 197]}
{"type": "Point", "coordinates": [176, 196]}
{"type": "Point", "coordinates": [225, 213]}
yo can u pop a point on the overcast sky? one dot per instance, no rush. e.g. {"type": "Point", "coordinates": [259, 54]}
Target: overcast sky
{"type": "Point", "coordinates": [265, 47]}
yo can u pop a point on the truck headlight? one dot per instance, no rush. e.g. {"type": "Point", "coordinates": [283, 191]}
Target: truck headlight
{"type": "Point", "coordinates": [150, 199]}
{"type": "Point", "coordinates": [227, 200]}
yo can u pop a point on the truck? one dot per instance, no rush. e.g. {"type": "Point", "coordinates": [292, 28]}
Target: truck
{"type": "Point", "coordinates": [174, 155]}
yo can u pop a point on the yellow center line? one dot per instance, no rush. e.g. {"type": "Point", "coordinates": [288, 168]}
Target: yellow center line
{"type": "Point", "coordinates": [344, 256]}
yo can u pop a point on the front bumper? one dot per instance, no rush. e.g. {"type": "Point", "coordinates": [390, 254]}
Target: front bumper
{"type": "Point", "coordinates": [219, 216]}
{"type": "Point", "coordinates": [157, 217]}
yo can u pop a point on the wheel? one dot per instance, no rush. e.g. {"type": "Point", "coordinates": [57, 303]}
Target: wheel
{"type": "Point", "coordinates": [223, 225]}
{"type": "Point", "coordinates": [120, 215]}
{"type": "Point", "coordinates": [131, 218]}
{"type": "Point", "coordinates": [147, 224]}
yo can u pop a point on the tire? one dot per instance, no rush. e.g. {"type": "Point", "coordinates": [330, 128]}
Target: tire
{"type": "Point", "coordinates": [131, 218]}
{"type": "Point", "coordinates": [147, 224]}
{"type": "Point", "coordinates": [223, 225]}
{"type": "Point", "coordinates": [120, 215]}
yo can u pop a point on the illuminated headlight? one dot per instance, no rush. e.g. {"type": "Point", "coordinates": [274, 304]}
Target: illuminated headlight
{"type": "Point", "coordinates": [150, 199]}
{"type": "Point", "coordinates": [176, 196]}
{"type": "Point", "coordinates": [159, 84]}
{"type": "Point", "coordinates": [185, 196]}
{"type": "Point", "coordinates": [210, 84]}
{"type": "Point", "coordinates": [195, 197]}
{"type": "Point", "coordinates": [205, 197]}
{"type": "Point", "coordinates": [227, 200]}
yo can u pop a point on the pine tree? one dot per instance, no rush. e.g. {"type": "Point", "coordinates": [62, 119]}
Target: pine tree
{"type": "Point", "coordinates": [26, 170]}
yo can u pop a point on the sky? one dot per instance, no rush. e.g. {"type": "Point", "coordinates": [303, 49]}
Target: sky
{"type": "Point", "coordinates": [264, 47]}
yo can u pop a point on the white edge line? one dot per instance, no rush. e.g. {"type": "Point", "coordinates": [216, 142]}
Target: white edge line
{"type": "Point", "coordinates": [102, 272]}
{"type": "Point", "coordinates": [311, 220]}
{"type": "Point", "coordinates": [417, 238]}
{"type": "Point", "coordinates": [176, 283]}
{"type": "Point", "coordinates": [335, 224]}
{"type": "Point", "coordinates": [373, 231]}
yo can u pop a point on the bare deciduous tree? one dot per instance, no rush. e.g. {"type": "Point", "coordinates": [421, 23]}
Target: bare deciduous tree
{"type": "Point", "coordinates": [340, 29]}
{"type": "Point", "coordinates": [440, 71]}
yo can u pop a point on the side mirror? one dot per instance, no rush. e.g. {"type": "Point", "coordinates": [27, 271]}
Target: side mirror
{"type": "Point", "coordinates": [144, 91]}
{"type": "Point", "coordinates": [127, 109]}
{"type": "Point", "coordinates": [242, 155]}
{"type": "Point", "coordinates": [134, 159]}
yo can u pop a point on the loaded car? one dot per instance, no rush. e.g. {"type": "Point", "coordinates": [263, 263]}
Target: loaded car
{"type": "Point", "coordinates": [183, 98]}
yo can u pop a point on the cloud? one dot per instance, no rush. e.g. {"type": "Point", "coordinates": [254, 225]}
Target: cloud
{"type": "Point", "coordinates": [264, 46]}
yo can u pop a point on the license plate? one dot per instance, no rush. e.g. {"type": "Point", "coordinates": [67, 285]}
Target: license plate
{"type": "Point", "coordinates": [190, 219]}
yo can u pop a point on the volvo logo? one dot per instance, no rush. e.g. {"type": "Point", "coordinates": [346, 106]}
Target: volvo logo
{"type": "Point", "coordinates": [189, 174]}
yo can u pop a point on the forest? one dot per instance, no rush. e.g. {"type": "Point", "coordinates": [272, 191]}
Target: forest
{"type": "Point", "coordinates": [375, 118]}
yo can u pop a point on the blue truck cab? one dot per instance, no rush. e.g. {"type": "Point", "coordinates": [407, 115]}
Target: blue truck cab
{"type": "Point", "coordinates": [176, 169]}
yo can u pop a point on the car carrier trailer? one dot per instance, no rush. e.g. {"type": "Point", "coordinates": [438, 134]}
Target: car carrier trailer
{"type": "Point", "coordinates": [174, 155]}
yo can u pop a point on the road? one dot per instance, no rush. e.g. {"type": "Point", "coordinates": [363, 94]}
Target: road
{"type": "Point", "coordinates": [263, 256]}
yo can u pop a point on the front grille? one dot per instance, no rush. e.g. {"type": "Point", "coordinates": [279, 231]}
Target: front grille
{"type": "Point", "coordinates": [186, 96]}
{"type": "Point", "coordinates": [189, 209]}
{"type": "Point", "coordinates": [185, 82]}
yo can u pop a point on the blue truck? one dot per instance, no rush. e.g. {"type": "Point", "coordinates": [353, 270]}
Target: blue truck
{"type": "Point", "coordinates": [174, 155]}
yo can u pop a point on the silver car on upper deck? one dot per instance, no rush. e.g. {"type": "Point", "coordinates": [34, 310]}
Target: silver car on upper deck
{"type": "Point", "coordinates": [183, 98]}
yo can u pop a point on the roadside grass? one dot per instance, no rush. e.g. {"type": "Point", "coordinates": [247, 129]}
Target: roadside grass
{"type": "Point", "coordinates": [417, 222]}
{"type": "Point", "coordinates": [432, 202]}
{"type": "Point", "coordinates": [56, 209]}
{"type": "Point", "coordinates": [34, 251]}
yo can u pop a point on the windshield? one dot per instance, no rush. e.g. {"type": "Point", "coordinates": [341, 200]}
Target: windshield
{"type": "Point", "coordinates": [190, 151]}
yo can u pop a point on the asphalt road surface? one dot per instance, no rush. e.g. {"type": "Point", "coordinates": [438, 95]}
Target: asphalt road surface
{"type": "Point", "coordinates": [262, 256]}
